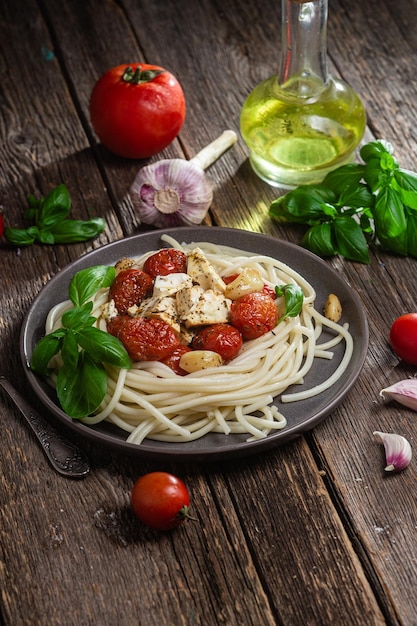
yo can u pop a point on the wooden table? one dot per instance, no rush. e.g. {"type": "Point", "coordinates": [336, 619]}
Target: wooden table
{"type": "Point", "coordinates": [310, 533]}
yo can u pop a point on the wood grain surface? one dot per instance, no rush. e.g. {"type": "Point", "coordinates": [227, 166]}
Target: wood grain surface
{"type": "Point", "coordinates": [312, 533]}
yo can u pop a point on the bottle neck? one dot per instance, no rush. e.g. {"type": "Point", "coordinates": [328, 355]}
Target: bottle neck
{"type": "Point", "coordinates": [303, 70]}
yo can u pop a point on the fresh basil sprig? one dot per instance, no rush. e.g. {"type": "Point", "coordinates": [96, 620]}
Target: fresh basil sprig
{"type": "Point", "coordinates": [357, 205]}
{"type": "Point", "coordinates": [293, 298]}
{"type": "Point", "coordinates": [51, 223]}
{"type": "Point", "coordinates": [81, 381]}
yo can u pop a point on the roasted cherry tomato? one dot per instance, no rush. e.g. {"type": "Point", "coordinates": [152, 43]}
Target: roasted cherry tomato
{"type": "Point", "coordinates": [224, 339]}
{"type": "Point", "coordinates": [160, 500]}
{"type": "Point", "coordinates": [137, 110]}
{"type": "Point", "coordinates": [254, 314]}
{"type": "Point", "coordinates": [173, 359]}
{"type": "Point", "coordinates": [129, 288]}
{"type": "Point", "coordinates": [145, 339]}
{"type": "Point", "coordinates": [166, 261]}
{"type": "Point", "coordinates": [403, 337]}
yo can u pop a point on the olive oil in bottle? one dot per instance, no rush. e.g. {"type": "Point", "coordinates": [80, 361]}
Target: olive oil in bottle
{"type": "Point", "coordinates": [302, 123]}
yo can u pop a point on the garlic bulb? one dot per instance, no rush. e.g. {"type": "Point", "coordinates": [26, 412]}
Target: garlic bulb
{"type": "Point", "coordinates": [398, 451]}
{"type": "Point", "coordinates": [175, 192]}
{"type": "Point", "coordinates": [404, 392]}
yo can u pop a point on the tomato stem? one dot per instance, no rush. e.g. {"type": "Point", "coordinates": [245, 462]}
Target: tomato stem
{"type": "Point", "coordinates": [184, 513]}
{"type": "Point", "coordinates": [137, 76]}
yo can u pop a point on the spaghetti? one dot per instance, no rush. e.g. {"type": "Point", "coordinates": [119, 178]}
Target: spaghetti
{"type": "Point", "coordinates": [151, 401]}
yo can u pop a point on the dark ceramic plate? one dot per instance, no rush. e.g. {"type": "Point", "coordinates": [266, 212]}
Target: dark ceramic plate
{"type": "Point", "coordinates": [301, 416]}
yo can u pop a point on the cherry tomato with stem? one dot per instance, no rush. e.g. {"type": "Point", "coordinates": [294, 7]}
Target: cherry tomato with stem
{"type": "Point", "coordinates": [160, 500]}
{"type": "Point", "coordinates": [403, 337]}
{"type": "Point", "coordinates": [137, 110]}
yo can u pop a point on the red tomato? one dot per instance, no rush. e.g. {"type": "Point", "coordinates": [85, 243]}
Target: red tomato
{"type": "Point", "coordinates": [403, 337]}
{"type": "Point", "coordinates": [144, 339]}
{"type": "Point", "coordinates": [137, 110]}
{"type": "Point", "coordinates": [224, 339]}
{"type": "Point", "coordinates": [166, 261]}
{"type": "Point", "coordinates": [254, 314]}
{"type": "Point", "coordinates": [173, 359]}
{"type": "Point", "coordinates": [1, 223]}
{"type": "Point", "coordinates": [130, 287]}
{"type": "Point", "coordinates": [160, 500]}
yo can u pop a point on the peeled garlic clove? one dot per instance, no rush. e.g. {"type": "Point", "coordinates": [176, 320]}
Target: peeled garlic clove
{"type": "Point", "coordinates": [332, 308]}
{"type": "Point", "coordinates": [197, 360]}
{"type": "Point", "coordinates": [397, 451]}
{"type": "Point", "coordinates": [404, 392]}
{"type": "Point", "coordinates": [248, 281]}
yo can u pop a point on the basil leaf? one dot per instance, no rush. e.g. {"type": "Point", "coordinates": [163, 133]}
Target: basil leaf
{"type": "Point", "coordinates": [78, 317]}
{"type": "Point", "coordinates": [103, 347]}
{"type": "Point", "coordinates": [389, 214]}
{"type": "Point", "coordinates": [21, 236]}
{"type": "Point", "coordinates": [407, 188]}
{"type": "Point", "coordinates": [57, 202]}
{"type": "Point", "coordinates": [358, 196]}
{"type": "Point", "coordinates": [375, 149]}
{"type": "Point", "coordinates": [81, 389]}
{"type": "Point", "coordinates": [390, 221]}
{"type": "Point", "coordinates": [73, 231]}
{"type": "Point", "coordinates": [44, 350]}
{"type": "Point", "coordinates": [86, 282]}
{"type": "Point", "coordinates": [319, 239]}
{"type": "Point", "coordinates": [69, 349]}
{"type": "Point", "coordinates": [375, 177]}
{"type": "Point", "coordinates": [46, 237]}
{"type": "Point", "coordinates": [293, 297]}
{"type": "Point", "coordinates": [53, 216]}
{"type": "Point", "coordinates": [346, 176]}
{"type": "Point", "coordinates": [412, 235]}
{"type": "Point", "coordinates": [350, 240]}
{"type": "Point", "coordinates": [303, 205]}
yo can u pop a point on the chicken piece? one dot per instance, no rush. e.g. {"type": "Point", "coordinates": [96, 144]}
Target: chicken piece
{"type": "Point", "coordinates": [171, 283]}
{"type": "Point", "coordinates": [202, 272]}
{"type": "Point", "coordinates": [126, 264]}
{"type": "Point", "coordinates": [197, 307]}
{"type": "Point", "coordinates": [108, 310]}
{"type": "Point", "coordinates": [164, 309]}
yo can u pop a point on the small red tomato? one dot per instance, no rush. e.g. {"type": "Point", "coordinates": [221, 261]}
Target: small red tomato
{"type": "Point", "coordinates": [1, 224]}
{"type": "Point", "coordinates": [224, 339]}
{"type": "Point", "coordinates": [173, 359]}
{"type": "Point", "coordinates": [403, 337]}
{"type": "Point", "coordinates": [254, 314]}
{"type": "Point", "coordinates": [166, 261]}
{"type": "Point", "coordinates": [137, 110]}
{"type": "Point", "coordinates": [129, 288]}
{"type": "Point", "coordinates": [144, 339]}
{"type": "Point", "coordinates": [160, 500]}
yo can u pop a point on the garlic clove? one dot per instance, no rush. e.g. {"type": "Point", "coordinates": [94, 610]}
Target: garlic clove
{"type": "Point", "coordinates": [398, 451]}
{"type": "Point", "coordinates": [404, 392]}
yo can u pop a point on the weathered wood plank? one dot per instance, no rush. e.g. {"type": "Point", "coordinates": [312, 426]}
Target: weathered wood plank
{"type": "Point", "coordinates": [268, 534]}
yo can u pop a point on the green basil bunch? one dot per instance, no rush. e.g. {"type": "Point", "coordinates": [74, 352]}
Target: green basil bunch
{"type": "Point", "coordinates": [82, 380]}
{"type": "Point", "coordinates": [356, 205]}
{"type": "Point", "coordinates": [50, 222]}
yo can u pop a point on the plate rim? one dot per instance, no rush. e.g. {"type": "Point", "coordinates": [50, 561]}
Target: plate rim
{"type": "Point", "coordinates": [148, 449]}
